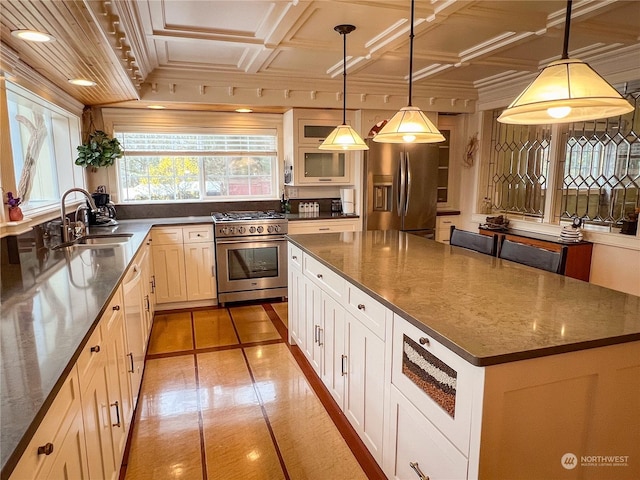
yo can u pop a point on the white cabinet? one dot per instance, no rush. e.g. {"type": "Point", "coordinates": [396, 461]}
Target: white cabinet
{"type": "Point", "coordinates": [57, 450]}
{"type": "Point", "coordinates": [168, 264]}
{"type": "Point", "coordinates": [199, 261]}
{"type": "Point", "coordinates": [305, 163]}
{"type": "Point", "coordinates": [417, 447]}
{"type": "Point", "coordinates": [443, 227]}
{"type": "Point", "coordinates": [145, 262]}
{"type": "Point", "coordinates": [105, 393]}
{"type": "Point", "coordinates": [365, 379]}
{"type": "Point", "coordinates": [323, 226]}
{"type": "Point", "coordinates": [346, 353]}
{"type": "Point", "coordinates": [136, 327]}
{"type": "Point", "coordinates": [184, 264]}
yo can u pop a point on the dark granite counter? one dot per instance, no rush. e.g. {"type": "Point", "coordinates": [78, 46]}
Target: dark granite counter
{"type": "Point", "coordinates": [51, 303]}
{"type": "Point", "coordinates": [485, 309]}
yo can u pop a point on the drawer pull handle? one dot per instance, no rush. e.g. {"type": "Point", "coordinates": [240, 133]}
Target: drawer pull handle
{"type": "Point", "coordinates": [316, 334]}
{"type": "Point", "coordinates": [361, 306]}
{"type": "Point", "coordinates": [130, 355]}
{"type": "Point", "coordinates": [116, 307]}
{"type": "Point", "coordinates": [319, 275]}
{"type": "Point", "coordinates": [324, 229]}
{"type": "Point", "coordinates": [320, 335]}
{"type": "Point", "coordinates": [115, 404]}
{"type": "Point", "coordinates": [95, 349]}
{"type": "Point", "coordinates": [344, 365]}
{"type": "Point", "coordinates": [416, 468]}
{"type": "Point", "coordinates": [46, 449]}
{"type": "Point", "coordinates": [424, 341]}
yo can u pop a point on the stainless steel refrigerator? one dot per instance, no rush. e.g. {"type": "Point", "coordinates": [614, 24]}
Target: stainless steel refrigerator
{"type": "Point", "coordinates": [401, 187]}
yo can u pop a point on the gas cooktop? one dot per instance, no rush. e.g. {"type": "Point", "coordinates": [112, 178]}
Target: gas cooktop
{"type": "Point", "coordinates": [247, 215]}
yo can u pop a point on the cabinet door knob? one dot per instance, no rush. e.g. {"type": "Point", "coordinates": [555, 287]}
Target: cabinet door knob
{"type": "Point", "coordinates": [46, 449]}
{"type": "Point", "coordinates": [95, 349]}
{"type": "Point", "coordinates": [116, 307]}
{"type": "Point", "coordinates": [294, 257]}
{"type": "Point", "coordinates": [319, 275]}
{"type": "Point", "coordinates": [361, 306]}
{"type": "Point", "coordinates": [424, 341]}
{"type": "Point", "coordinates": [416, 468]}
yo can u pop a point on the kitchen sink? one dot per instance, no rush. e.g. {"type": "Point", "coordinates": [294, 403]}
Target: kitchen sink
{"type": "Point", "coordinates": [96, 241]}
{"type": "Point", "coordinates": [109, 239]}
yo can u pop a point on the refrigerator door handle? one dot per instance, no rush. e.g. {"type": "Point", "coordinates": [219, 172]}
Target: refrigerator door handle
{"type": "Point", "coordinates": [408, 188]}
{"type": "Point", "coordinates": [401, 186]}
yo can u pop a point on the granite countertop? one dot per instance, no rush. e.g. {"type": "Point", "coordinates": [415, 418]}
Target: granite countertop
{"type": "Point", "coordinates": [48, 315]}
{"type": "Point", "coordinates": [485, 309]}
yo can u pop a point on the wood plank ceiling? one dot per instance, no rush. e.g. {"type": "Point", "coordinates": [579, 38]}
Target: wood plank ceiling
{"type": "Point", "coordinates": [271, 55]}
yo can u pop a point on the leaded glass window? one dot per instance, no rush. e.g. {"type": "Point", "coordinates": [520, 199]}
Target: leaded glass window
{"type": "Point", "coordinates": [518, 168]}
{"type": "Point", "coordinates": [602, 169]}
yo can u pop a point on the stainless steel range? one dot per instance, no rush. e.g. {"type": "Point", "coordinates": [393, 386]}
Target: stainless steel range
{"type": "Point", "coordinates": [251, 255]}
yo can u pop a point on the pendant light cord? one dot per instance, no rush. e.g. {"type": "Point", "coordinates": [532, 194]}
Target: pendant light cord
{"type": "Point", "coordinates": [567, 27]}
{"type": "Point", "coordinates": [411, 53]}
{"type": "Point", "coordinates": [344, 78]}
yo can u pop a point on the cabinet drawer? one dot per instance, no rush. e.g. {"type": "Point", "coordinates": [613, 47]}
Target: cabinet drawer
{"type": "Point", "coordinates": [295, 256]}
{"type": "Point", "coordinates": [166, 235]}
{"type": "Point", "coordinates": [320, 226]}
{"type": "Point", "coordinates": [437, 381]}
{"type": "Point", "coordinates": [327, 280]}
{"type": "Point", "coordinates": [198, 234]}
{"type": "Point", "coordinates": [92, 357]}
{"type": "Point", "coordinates": [370, 312]}
{"type": "Point", "coordinates": [52, 430]}
{"type": "Point", "coordinates": [415, 441]}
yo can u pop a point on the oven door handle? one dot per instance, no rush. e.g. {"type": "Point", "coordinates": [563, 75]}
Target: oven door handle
{"type": "Point", "coordinates": [252, 240]}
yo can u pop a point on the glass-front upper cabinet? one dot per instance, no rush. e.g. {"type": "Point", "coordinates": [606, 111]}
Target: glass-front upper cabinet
{"type": "Point", "coordinates": [321, 166]}
{"type": "Point", "coordinates": [304, 162]}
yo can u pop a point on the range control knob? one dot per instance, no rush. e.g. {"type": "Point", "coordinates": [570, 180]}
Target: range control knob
{"type": "Point", "coordinates": [276, 228]}
{"type": "Point", "coordinates": [271, 229]}
{"type": "Point", "coordinates": [252, 229]}
{"type": "Point", "coordinates": [224, 230]}
{"type": "Point", "coordinates": [232, 230]}
{"type": "Point", "coordinates": [241, 230]}
{"type": "Point", "coordinates": [260, 229]}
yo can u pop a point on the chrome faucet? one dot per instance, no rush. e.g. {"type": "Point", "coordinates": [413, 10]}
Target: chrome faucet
{"type": "Point", "coordinates": [63, 214]}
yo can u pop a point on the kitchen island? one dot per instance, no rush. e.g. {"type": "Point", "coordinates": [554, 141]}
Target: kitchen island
{"type": "Point", "coordinates": [547, 367]}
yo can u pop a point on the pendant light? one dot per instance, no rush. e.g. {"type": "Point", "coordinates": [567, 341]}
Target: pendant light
{"type": "Point", "coordinates": [410, 124]}
{"type": "Point", "coordinates": [567, 90]}
{"type": "Point", "coordinates": [344, 137]}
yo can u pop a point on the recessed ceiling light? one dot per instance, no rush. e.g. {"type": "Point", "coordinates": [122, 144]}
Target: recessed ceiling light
{"type": "Point", "coordinates": [33, 36]}
{"type": "Point", "coordinates": [82, 82]}
{"type": "Point", "coordinates": [244, 110]}
{"type": "Point", "coordinates": [157, 107]}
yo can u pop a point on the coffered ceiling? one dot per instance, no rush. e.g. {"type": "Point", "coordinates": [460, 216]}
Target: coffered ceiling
{"type": "Point", "coordinates": [272, 55]}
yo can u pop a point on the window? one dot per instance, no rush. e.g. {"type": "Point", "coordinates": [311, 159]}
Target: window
{"type": "Point", "coordinates": [602, 169]}
{"type": "Point", "coordinates": [237, 164]}
{"type": "Point", "coordinates": [518, 168]}
{"type": "Point", "coordinates": [43, 140]}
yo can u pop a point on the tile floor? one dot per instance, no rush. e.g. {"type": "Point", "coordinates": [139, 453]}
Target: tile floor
{"type": "Point", "coordinates": [224, 398]}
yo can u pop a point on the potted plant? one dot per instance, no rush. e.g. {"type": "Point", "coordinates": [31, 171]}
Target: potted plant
{"type": "Point", "coordinates": [99, 150]}
{"type": "Point", "coordinates": [15, 212]}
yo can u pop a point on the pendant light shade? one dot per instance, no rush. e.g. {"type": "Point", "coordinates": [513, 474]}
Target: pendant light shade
{"type": "Point", "coordinates": [409, 124]}
{"type": "Point", "coordinates": [565, 91]}
{"type": "Point", "coordinates": [344, 137]}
